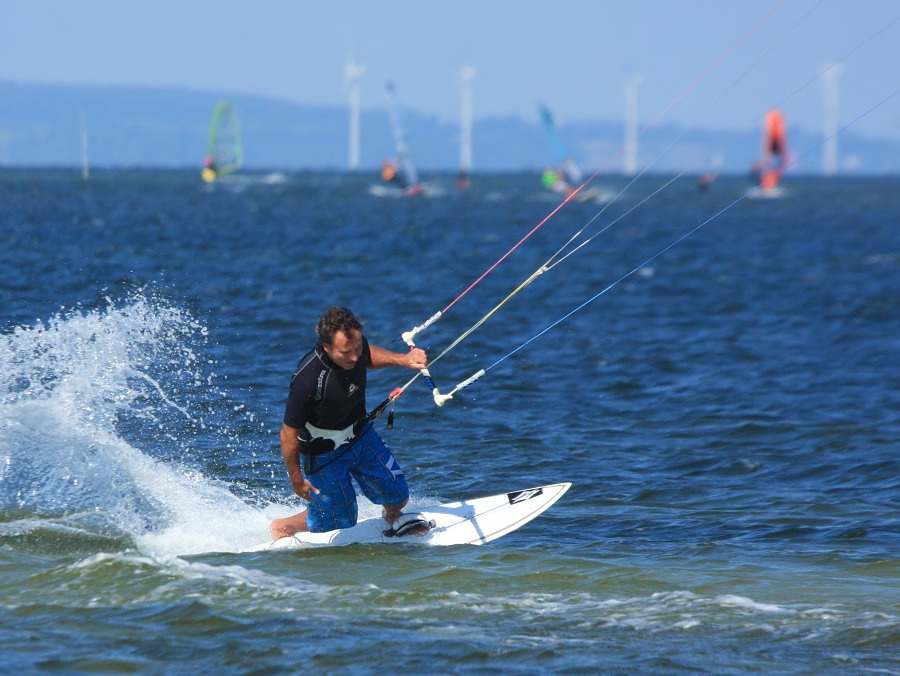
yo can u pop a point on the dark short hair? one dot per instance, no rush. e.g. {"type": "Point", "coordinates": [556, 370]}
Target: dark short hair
{"type": "Point", "coordinates": [334, 319]}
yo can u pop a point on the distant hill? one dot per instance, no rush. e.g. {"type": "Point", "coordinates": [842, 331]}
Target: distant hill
{"type": "Point", "coordinates": [40, 125]}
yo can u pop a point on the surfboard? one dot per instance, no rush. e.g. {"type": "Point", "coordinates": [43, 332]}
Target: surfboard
{"type": "Point", "coordinates": [467, 522]}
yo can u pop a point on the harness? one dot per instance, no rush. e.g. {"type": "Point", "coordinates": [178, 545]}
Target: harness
{"type": "Point", "coordinates": [337, 437]}
{"type": "Point", "coordinates": [340, 438]}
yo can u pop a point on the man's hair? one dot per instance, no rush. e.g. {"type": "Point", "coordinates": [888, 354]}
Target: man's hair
{"type": "Point", "coordinates": [336, 319]}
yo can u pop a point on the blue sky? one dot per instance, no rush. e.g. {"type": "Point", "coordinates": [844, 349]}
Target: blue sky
{"type": "Point", "coordinates": [724, 62]}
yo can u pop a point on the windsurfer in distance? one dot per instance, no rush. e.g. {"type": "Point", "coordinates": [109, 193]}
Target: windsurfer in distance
{"type": "Point", "coordinates": [391, 173]}
{"type": "Point", "coordinates": [210, 170]}
{"type": "Point", "coordinates": [556, 180]}
{"type": "Point", "coordinates": [774, 150]}
{"type": "Point", "coordinates": [326, 438]}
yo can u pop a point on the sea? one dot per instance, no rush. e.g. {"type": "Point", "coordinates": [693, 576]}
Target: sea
{"type": "Point", "coordinates": [717, 374]}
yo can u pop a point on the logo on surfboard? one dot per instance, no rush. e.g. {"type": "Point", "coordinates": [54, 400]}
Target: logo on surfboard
{"type": "Point", "coordinates": [522, 496]}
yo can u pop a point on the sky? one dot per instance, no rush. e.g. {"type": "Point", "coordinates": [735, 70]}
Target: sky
{"type": "Point", "coordinates": [702, 63]}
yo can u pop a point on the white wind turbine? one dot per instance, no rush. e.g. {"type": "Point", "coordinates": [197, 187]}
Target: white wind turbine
{"type": "Point", "coordinates": [830, 149]}
{"type": "Point", "coordinates": [466, 75]}
{"type": "Point", "coordinates": [352, 74]}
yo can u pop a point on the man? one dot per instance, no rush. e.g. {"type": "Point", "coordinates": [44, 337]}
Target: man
{"type": "Point", "coordinates": [325, 437]}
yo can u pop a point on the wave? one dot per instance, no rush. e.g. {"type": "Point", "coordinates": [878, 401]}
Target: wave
{"type": "Point", "coordinates": [101, 414]}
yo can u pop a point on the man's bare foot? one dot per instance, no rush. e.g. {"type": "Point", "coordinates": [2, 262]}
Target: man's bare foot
{"type": "Point", "coordinates": [391, 513]}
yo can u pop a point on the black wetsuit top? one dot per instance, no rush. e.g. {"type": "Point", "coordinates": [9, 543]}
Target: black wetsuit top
{"type": "Point", "coordinates": [325, 395]}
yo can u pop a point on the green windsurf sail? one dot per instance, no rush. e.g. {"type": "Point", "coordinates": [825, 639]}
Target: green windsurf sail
{"type": "Point", "coordinates": [225, 153]}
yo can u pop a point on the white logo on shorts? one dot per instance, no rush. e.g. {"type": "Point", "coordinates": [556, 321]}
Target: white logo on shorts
{"type": "Point", "coordinates": [390, 465]}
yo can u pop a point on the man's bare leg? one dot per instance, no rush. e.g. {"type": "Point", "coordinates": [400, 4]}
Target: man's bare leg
{"type": "Point", "coordinates": [280, 528]}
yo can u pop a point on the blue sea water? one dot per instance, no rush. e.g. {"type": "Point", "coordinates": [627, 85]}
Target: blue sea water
{"type": "Point", "coordinates": [728, 411]}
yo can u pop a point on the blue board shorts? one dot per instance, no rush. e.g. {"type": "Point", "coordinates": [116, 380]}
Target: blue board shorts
{"type": "Point", "coordinates": [367, 460]}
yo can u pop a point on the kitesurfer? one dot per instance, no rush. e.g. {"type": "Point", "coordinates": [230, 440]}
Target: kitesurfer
{"type": "Point", "coordinates": [326, 438]}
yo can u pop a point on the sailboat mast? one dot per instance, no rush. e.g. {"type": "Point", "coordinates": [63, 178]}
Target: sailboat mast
{"type": "Point", "coordinates": [353, 73]}
{"type": "Point", "coordinates": [85, 169]}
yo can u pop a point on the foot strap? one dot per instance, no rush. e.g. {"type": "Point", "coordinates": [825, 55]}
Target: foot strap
{"type": "Point", "coordinates": [409, 524]}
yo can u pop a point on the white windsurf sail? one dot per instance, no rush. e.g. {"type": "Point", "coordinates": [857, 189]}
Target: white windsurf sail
{"type": "Point", "coordinates": [404, 173]}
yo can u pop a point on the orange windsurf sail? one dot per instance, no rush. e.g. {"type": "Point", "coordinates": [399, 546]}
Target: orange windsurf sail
{"type": "Point", "coordinates": [774, 151]}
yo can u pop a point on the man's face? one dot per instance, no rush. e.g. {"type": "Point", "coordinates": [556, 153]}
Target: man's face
{"type": "Point", "coordinates": [344, 350]}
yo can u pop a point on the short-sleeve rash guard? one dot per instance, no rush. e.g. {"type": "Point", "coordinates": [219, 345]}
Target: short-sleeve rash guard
{"type": "Point", "coordinates": [325, 395]}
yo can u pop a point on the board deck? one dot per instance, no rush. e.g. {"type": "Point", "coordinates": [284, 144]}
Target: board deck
{"type": "Point", "coordinates": [472, 522]}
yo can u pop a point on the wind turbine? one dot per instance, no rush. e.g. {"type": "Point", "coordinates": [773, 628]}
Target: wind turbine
{"type": "Point", "coordinates": [630, 159]}
{"type": "Point", "coordinates": [830, 147]}
{"type": "Point", "coordinates": [466, 75]}
{"type": "Point", "coordinates": [352, 74]}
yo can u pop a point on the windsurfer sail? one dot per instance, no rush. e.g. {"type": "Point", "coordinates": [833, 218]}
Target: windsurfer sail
{"type": "Point", "coordinates": [566, 172]}
{"type": "Point", "coordinates": [774, 150]}
{"type": "Point", "coordinates": [400, 171]}
{"type": "Point", "coordinates": [225, 153]}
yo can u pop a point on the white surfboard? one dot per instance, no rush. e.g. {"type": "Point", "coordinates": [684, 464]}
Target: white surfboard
{"type": "Point", "coordinates": [469, 522]}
